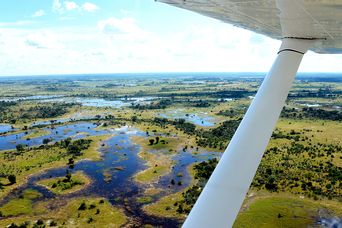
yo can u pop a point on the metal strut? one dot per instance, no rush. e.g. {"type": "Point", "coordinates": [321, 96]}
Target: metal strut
{"type": "Point", "coordinates": [223, 195]}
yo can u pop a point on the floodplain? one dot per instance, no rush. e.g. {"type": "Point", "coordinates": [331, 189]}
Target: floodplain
{"type": "Point", "coordinates": [135, 150]}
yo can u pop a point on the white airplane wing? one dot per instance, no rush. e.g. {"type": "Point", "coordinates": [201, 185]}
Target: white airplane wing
{"type": "Point", "coordinates": [319, 19]}
{"type": "Point", "coordinates": [301, 25]}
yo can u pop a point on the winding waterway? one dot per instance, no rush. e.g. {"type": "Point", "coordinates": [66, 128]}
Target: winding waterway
{"type": "Point", "coordinates": [115, 185]}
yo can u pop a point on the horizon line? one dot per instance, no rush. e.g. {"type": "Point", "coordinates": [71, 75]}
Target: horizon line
{"type": "Point", "coordinates": [156, 73]}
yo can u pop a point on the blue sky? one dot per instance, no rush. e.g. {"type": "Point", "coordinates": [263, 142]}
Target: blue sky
{"type": "Point", "coordinates": [108, 36]}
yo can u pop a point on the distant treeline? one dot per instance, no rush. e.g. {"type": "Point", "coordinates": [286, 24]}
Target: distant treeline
{"type": "Point", "coordinates": [232, 93]}
{"type": "Point", "coordinates": [321, 93]}
{"type": "Point", "coordinates": [10, 112]}
{"type": "Point", "coordinates": [311, 113]}
{"type": "Point", "coordinates": [215, 94]}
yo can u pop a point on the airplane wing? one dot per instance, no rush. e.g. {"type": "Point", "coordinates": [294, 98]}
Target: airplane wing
{"type": "Point", "coordinates": [301, 25]}
{"type": "Point", "coordinates": [321, 19]}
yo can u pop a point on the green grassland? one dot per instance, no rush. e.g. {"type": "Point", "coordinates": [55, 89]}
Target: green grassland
{"type": "Point", "coordinates": [166, 206]}
{"type": "Point", "coordinates": [281, 210]}
{"type": "Point", "coordinates": [22, 205]}
{"type": "Point", "coordinates": [289, 193]}
{"type": "Point", "coordinates": [78, 212]}
{"type": "Point", "coordinates": [61, 185]}
{"type": "Point", "coordinates": [159, 161]}
{"type": "Point", "coordinates": [32, 161]}
{"type": "Point", "coordinates": [36, 133]}
{"type": "Point", "coordinates": [299, 175]}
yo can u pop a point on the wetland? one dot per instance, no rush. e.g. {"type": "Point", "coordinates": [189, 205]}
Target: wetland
{"type": "Point", "coordinates": [136, 150]}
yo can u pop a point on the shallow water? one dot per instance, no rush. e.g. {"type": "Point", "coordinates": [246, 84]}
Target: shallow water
{"type": "Point", "coordinates": [200, 119]}
{"type": "Point", "coordinates": [183, 160]}
{"type": "Point", "coordinates": [119, 151]}
{"type": "Point", "coordinates": [99, 102]}
{"type": "Point", "coordinates": [92, 102]}
{"type": "Point", "coordinates": [37, 97]}
{"type": "Point", "coordinates": [5, 128]}
{"type": "Point", "coordinates": [58, 133]}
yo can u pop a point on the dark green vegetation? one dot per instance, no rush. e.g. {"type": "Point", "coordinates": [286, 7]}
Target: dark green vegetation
{"type": "Point", "coordinates": [11, 112]}
{"type": "Point", "coordinates": [300, 168]}
{"type": "Point", "coordinates": [218, 137]}
{"type": "Point", "coordinates": [203, 171]}
{"type": "Point", "coordinates": [312, 113]}
{"type": "Point", "coordinates": [178, 118]}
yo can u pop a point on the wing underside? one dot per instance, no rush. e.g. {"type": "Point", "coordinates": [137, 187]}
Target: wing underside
{"type": "Point", "coordinates": [319, 19]}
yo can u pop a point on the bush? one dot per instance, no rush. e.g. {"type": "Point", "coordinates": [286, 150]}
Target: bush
{"type": "Point", "coordinates": [53, 223]}
{"type": "Point", "coordinates": [92, 206]}
{"type": "Point", "coordinates": [12, 178]}
{"type": "Point", "coordinates": [20, 147]}
{"type": "Point", "coordinates": [82, 207]}
{"type": "Point", "coordinates": [40, 222]}
{"type": "Point", "coordinates": [90, 220]}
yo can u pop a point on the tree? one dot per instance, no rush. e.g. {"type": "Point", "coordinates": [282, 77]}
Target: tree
{"type": "Point", "coordinates": [20, 147]}
{"type": "Point", "coordinates": [68, 176]}
{"type": "Point", "coordinates": [66, 142]}
{"type": "Point", "coordinates": [71, 161]}
{"type": "Point", "coordinates": [151, 141]}
{"type": "Point", "coordinates": [46, 140]}
{"type": "Point", "coordinates": [134, 118]}
{"type": "Point", "coordinates": [82, 207]}
{"type": "Point", "coordinates": [73, 149]}
{"type": "Point", "coordinates": [157, 140]}
{"type": "Point", "coordinates": [12, 178]}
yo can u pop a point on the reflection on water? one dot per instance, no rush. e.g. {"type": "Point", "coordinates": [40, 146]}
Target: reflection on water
{"type": "Point", "coordinates": [5, 128]}
{"type": "Point", "coordinates": [93, 102]}
{"type": "Point", "coordinates": [99, 102]}
{"type": "Point", "coordinates": [179, 171]}
{"type": "Point", "coordinates": [56, 133]}
{"type": "Point", "coordinates": [200, 119]}
{"type": "Point", "coordinates": [111, 183]}
{"type": "Point", "coordinates": [37, 97]}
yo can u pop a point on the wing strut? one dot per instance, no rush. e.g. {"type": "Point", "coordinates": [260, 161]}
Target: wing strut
{"type": "Point", "coordinates": [223, 195]}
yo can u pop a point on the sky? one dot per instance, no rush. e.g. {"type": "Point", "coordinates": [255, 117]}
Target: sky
{"type": "Point", "coordinates": [42, 37]}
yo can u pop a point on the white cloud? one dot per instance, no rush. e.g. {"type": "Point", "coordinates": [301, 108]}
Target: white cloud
{"type": "Point", "coordinates": [123, 45]}
{"type": "Point", "coordinates": [15, 24]}
{"type": "Point", "coordinates": [70, 5]}
{"type": "Point", "coordinates": [43, 40]}
{"type": "Point", "coordinates": [39, 13]}
{"type": "Point", "coordinates": [124, 28]}
{"type": "Point", "coordinates": [57, 6]}
{"type": "Point", "coordinates": [62, 7]}
{"type": "Point", "coordinates": [90, 7]}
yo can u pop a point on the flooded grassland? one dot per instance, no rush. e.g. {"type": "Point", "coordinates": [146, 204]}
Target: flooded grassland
{"type": "Point", "coordinates": [136, 152]}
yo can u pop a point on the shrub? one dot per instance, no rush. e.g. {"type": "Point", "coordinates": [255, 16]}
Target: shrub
{"type": "Point", "coordinates": [82, 207]}
{"type": "Point", "coordinates": [12, 178]}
